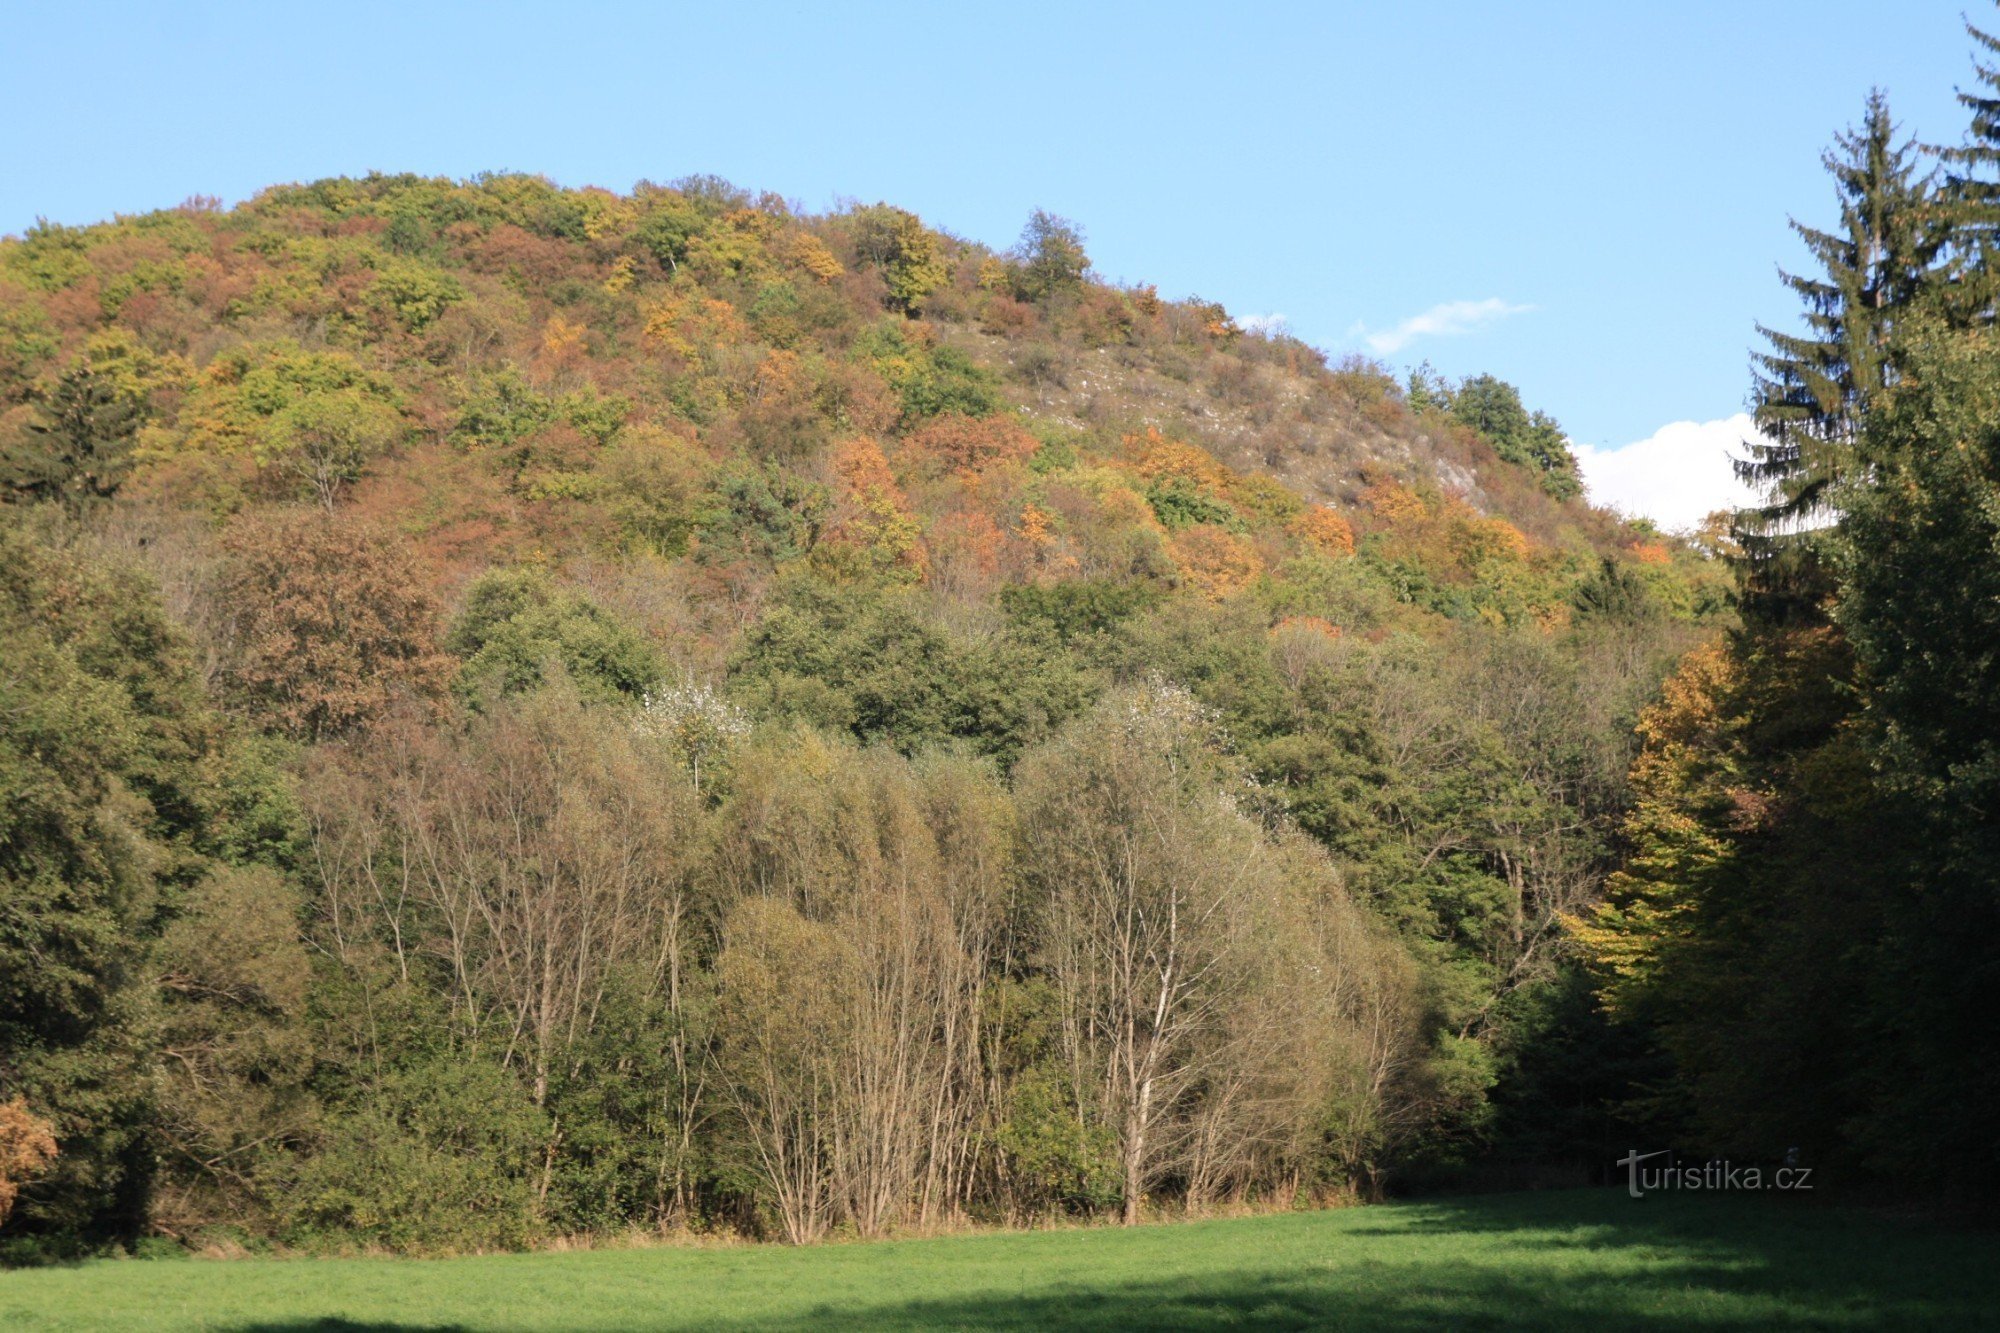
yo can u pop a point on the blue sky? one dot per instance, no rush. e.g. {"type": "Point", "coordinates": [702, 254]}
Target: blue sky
{"type": "Point", "coordinates": [1587, 199]}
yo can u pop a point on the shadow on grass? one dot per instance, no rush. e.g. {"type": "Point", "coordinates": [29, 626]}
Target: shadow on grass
{"type": "Point", "coordinates": [351, 1326]}
{"type": "Point", "coordinates": [1678, 1297]}
{"type": "Point", "coordinates": [1564, 1260]}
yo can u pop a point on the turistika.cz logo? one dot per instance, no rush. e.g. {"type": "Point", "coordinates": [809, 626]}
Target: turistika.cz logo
{"type": "Point", "coordinates": [1723, 1175]}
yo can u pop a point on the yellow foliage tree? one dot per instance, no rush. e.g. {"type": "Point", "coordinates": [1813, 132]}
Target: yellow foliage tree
{"type": "Point", "coordinates": [564, 348]}
{"type": "Point", "coordinates": [1683, 780]}
{"type": "Point", "coordinates": [810, 253]}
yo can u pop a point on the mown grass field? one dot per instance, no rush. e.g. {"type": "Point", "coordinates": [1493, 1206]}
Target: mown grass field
{"type": "Point", "coordinates": [1583, 1259]}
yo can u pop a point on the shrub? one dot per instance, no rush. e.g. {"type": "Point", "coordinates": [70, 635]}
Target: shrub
{"type": "Point", "coordinates": [437, 1157]}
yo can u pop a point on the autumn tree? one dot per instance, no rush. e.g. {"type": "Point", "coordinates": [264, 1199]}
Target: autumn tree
{"type": "Point", "coordinates": [332, 622]}
{"type": "Point", "coordinates": [27, 1146]}
{"type": "Point", "coordinates": [898, 245]}
{"type": "Point", "coordinates": [872, 526]}
{"type": "Point", "coordinates": [958, 443]}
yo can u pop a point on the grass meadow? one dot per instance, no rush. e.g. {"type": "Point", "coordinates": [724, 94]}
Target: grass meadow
{"type": "Point", "coordinates": [1556, 1260]}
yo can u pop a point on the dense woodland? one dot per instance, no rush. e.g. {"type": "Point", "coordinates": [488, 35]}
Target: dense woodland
{"type": "Point", "coordinates": [533, 713]}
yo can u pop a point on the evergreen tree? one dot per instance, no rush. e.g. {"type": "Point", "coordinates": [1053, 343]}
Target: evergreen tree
{"type": "Point", "coordinates": [1920, 602]}
{"type": "Point", "coordinates": [80, 448]}
{"type": "Point", "coordinates": [1811, 387]}
{"type": "Point", "coordinates": [1971, 189]}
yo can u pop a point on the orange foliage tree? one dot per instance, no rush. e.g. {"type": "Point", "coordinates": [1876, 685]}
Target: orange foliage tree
{"type": "Point", "coordinates": [971, 553]}
{"type": "Point", "coordinates": [1155, 456]}
{"type": "Point", "coordinates": [969, 445]}
{"type": "Point", "coordinates": [1324, 531]}
{"type": "Point", "coordinates": [27, 1146]}
{"type": "Point", "coordinates": [872, 516]}
{"type": "Point", "coordinates": [1651, 553]}
{"type": "Point", "coordinates": [1215, 560]}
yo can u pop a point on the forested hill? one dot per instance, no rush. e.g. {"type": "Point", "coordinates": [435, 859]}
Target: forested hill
{"type": "Point", "coordinates": [504, 360]}
{"type": "Point", "coordinates": [530, 711]}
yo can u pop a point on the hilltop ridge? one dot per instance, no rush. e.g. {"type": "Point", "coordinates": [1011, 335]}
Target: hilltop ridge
{"type": "Point", "coordinates": [538, 339]}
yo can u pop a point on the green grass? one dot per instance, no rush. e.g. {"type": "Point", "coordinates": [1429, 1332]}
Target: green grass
{"type": "Point", "coordinates": [1582, 1259]}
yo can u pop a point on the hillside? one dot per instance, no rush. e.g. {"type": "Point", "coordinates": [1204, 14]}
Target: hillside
{"type": "Point", "coordinates": [538, 712]}
{"type": "Point", "coordinates": [521, 333]}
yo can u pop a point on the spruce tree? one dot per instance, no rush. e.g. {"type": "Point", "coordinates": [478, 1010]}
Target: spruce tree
{"type": "Point", "coordinates": [1812, 387]}
{"type": "Point", "coordinates": [1970, 196]}
{"type": "Point", "coordinates": [79, 449]}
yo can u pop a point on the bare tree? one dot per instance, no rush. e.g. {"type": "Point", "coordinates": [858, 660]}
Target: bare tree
{"type": "Point", "coordinates": [787, 1007]}
{"type": "Point", "coordinates": [1141, 869]}
{"type": "Point", "coordinates": [541, 855]}
{"type": "Point", "coordinates": [897, 868]}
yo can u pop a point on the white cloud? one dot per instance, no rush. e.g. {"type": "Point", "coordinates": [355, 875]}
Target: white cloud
{"type": "Point", "coordinates": [1440, 321]}
{"type": "Point", "coordinates": [1270, 326]}
{"type": "Point", "coordinates": [1676, 477]}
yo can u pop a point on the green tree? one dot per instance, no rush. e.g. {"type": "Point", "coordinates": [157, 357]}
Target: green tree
{"type": "Point", "coordinates": [1971, 189]}
{"type": "Point", "coordinates": [79, 448]}
{"type": "Point", "coordinates": [1425, 390]}
{"type": "Point", "coordinates": [438, 1155]}
{"type": "Point", "coordinates": [1812, 388]}
{"type": "Point", "coordinates": [104, 741]}
{"type": "Point", "coordinates": [325, 440]}
{"type": "Point", "coordinates": [1919, 561]}
{"type": "Point", "coordinates": [1493, 408]}
{"type": "Point", "coordinates": [516, 623]}
{"type": "Point", "coordinates": [870, 662]}
{"type": "Point", "coordinates": [1051, 256]}
{"type": "Point", "coordinates": [232, 977]}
